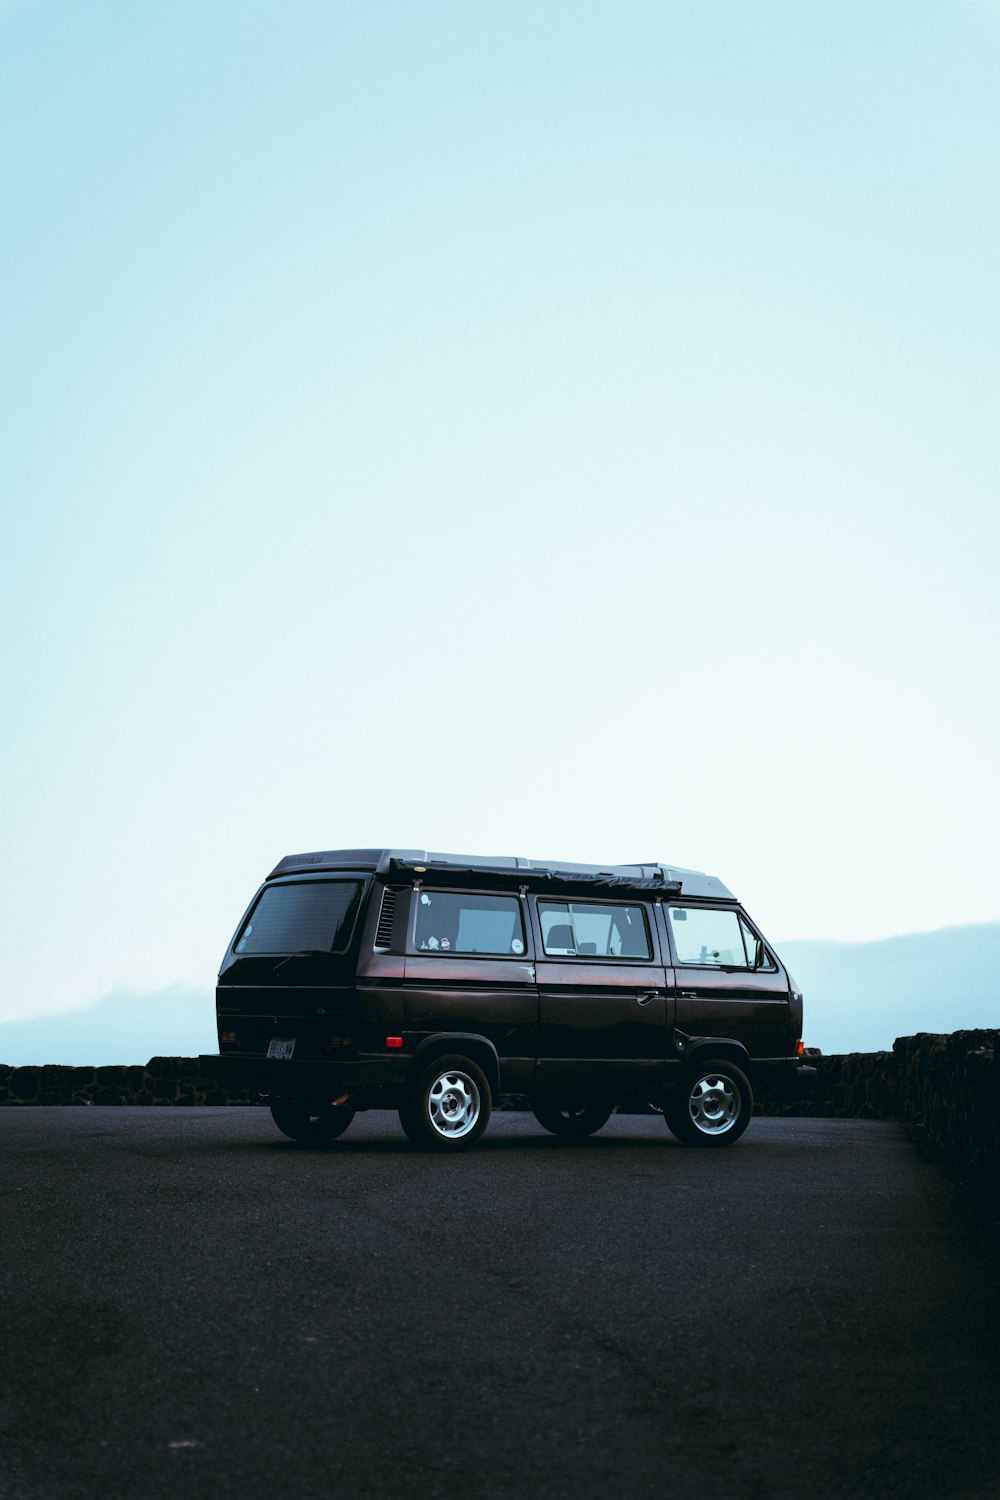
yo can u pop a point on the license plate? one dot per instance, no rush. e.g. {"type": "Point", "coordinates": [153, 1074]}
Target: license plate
{"type": "Point", "coordinates": [280, 1046]}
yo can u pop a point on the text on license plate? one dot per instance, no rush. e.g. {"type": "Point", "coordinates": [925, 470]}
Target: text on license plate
{"type": "Point", "coordinates": [281, 1046]}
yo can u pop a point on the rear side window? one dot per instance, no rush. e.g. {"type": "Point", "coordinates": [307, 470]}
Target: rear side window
{"type": "Point", "coordinates": [582, 929]}
{"type": "Point", "coordinates": [448, 922]}
{"type": "Point", "coordinates": [315, 916]}
{"type": "Point", "coordinates": [707, 937]}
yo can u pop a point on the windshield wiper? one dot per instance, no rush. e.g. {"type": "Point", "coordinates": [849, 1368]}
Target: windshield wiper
{"type": "Point", "coordinates": [302, 953]}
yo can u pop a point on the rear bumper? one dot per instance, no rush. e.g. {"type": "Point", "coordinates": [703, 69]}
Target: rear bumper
{"type": "Point", "coordinates": [292, 1076]}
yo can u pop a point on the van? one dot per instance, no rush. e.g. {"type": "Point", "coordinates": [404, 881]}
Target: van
{"type": "Point", "coordinates": [441, 985]}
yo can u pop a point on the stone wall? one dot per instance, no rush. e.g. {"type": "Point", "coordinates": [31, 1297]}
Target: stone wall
{"type": "Point", "coordinates": [946, 1088]}
{"type": "Point", "coordinates": [164, 1080]}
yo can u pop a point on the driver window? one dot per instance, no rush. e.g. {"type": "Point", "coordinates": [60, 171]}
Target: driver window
{"type": "Point", "coordinates": [707, 937]}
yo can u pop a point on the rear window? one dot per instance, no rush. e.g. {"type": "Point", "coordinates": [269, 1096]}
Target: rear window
{"type": "Point", "coordinates": [314, 916]}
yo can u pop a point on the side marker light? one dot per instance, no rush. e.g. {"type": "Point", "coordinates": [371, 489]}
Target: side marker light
{"type": "Point", "coordinates": [394, 1041]}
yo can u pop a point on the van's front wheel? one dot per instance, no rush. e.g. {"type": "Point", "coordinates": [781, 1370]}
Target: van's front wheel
{"type": "Point", "coordinates": [713, 1105]}
{"type": "Point", "coordinates": [448, 1107]}
{"type": "Point", "coordinates": [311, 1124]}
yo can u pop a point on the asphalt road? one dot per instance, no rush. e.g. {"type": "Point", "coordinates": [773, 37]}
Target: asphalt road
{"type": "Point", "coordinates": [194, 1307]}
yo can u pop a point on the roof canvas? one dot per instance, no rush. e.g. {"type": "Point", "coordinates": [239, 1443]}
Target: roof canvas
{"type": "Point", "coordinates": [649, 875]}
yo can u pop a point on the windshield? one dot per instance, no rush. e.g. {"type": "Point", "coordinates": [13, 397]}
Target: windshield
{"type": "Point", "coordinates": [315, 916]}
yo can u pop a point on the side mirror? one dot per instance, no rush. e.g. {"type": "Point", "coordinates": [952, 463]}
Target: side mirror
{"type": "Point", "coordinates": [759, 958]}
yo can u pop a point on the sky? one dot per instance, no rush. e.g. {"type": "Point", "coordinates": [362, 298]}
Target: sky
{"type": "Point", "coordinates": [558, 429]}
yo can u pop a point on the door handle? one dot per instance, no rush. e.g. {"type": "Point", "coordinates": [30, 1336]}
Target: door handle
{"type": "Point", "coordinates": [644, 996]}
{"type": "Point", "coordinates": [687, 994]}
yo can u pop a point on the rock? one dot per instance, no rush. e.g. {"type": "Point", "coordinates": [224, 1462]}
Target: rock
{"type": "Point", "coordinates": [108, 1095]}
{"type": "Point", "coordinates": [114, 1074]}
{"type": "Point", "coordinates": [24, 1083]}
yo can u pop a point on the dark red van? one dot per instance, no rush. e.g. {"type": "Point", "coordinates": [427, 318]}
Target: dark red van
{"type": "Point", "coordinates": [438, 985]}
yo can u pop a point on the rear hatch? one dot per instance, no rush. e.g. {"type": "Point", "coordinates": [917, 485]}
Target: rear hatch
{"type": "Point", "coordinates": [286, 985]}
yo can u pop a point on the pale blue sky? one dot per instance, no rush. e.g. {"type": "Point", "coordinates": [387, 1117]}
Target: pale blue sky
{"type": "Point", "coordinates": [558, 428]}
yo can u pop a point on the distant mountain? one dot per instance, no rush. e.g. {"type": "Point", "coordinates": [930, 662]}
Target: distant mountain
{"type": "Point", "coordinates": [120, 1028]}
{"type": "Point", "coordinates": [858, 998]}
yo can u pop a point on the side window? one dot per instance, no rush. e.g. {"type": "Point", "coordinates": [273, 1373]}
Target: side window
{"type": "Point", "coordinates": [449, 922]}
{"type": "Point", "coordinates": [584, 929]}
{"type": "Point", "coordinates": [708, 937]}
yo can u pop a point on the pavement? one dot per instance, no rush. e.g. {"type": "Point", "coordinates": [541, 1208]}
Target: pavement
{"type": "Point", "coordinates": [193, 1306]}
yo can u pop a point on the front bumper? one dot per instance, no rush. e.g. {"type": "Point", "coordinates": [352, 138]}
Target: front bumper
{"type": "Point", "coordinates": [780, 1075]}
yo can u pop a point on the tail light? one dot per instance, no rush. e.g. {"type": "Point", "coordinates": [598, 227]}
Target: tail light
{"type": "Point", "coordinates": [229, 1039]}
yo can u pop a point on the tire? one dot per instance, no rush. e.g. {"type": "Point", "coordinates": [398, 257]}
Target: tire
{"type": "Point", "coordinates": [572, 1119]}
{"type": "Point", "coordinates": [312, 1124]}
{"type": "Point", "coordinates": [448, 1107]}
{"type": "Point", "coordinates": [713, 1105]}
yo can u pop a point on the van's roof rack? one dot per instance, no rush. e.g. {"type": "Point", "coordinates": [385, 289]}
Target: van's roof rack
{"type": "Point", "coordinates": [508, 872]}
{"type": "Point", "coordinates": [533, 878]}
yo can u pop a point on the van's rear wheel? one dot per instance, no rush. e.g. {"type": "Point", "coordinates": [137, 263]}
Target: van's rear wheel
{"type": "Point", "coordinates": [713, 1105]}
{"type": "Point", "coordinates": [572, 1119]}
{"type": "Point", "coordinates": [312, 1124]}
{"type": "Point", "coordinates": [448, 1107]}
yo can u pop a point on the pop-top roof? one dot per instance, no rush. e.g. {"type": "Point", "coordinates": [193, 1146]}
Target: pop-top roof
{"type": "Point", "coordinates": [509, 871]}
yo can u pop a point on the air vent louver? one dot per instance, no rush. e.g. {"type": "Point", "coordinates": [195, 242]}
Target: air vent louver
{"type": "Point", "coordinates": [383, 934]}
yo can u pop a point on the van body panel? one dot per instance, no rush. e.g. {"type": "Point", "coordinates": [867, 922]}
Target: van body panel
{"type": "Point", "coordinates": [284, 1000]}
{"type": "Point", "coordinates": [290, 972]}
{"type": "Point", "coordinates": [313, 1077]}
{"type": "Point", "coordinates": [602, 1028]}
{"type": "Point", "coordinates": [752, 1009]}
{"type": "Point", "coordinates": [495, 997]}
{"type": "Point", "coordinates": [378, 996]}
{"type": "Point", "coordinates": [312, 1015]}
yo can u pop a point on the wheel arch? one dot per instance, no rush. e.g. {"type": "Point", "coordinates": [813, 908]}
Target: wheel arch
{"type": "Point", "coordinates": [725, 1049]}
{"type": "Point", "coordinates": [478, 1049]}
